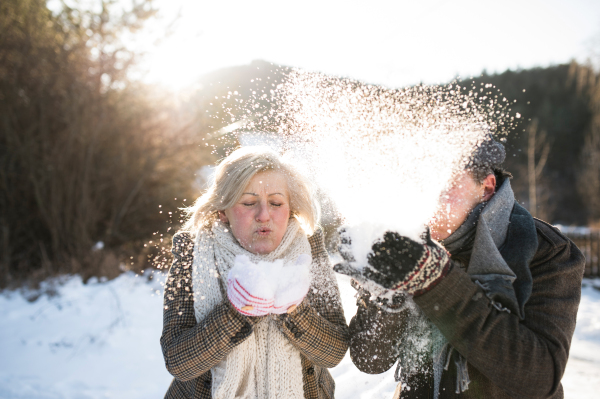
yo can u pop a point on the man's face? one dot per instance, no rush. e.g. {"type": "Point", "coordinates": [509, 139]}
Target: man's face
{"type": "Point", "coordinates": [457, 202]}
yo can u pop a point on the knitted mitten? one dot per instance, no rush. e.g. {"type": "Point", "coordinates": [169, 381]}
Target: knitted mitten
{"type": "Point", "coordinates": [399, 263]}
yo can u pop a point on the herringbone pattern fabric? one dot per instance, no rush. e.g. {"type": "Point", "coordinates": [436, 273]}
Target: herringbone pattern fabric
{"type": "Point", "coordinates": [317, 328]}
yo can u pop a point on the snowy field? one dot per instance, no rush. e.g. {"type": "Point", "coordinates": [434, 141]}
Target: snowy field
{"type": "Point", "coordinates": [101, 340]}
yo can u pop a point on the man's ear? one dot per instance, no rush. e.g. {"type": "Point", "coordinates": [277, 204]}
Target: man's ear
{"type": "Point", "coordinates": [489, 187]}
{"type": "Point", "coordinates": [222, 217]}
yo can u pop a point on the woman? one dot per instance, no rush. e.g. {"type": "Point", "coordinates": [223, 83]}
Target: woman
{"type": "Point", "coordinates": [239, 318]}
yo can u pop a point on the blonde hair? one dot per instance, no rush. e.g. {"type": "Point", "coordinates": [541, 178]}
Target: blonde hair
{"type": "Point", "coordinates": [232, 176]}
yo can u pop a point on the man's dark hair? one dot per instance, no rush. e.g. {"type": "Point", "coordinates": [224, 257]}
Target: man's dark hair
{"type": "Point", "coordinates": [486, 159]}
{"type": "Point", "coordinates": [501, 175]}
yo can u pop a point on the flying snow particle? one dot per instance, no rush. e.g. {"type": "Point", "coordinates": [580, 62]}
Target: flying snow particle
{"type": "Point", "coordinates": [383, 156]}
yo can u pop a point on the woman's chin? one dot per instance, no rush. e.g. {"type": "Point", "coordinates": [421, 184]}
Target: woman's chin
{"type": "Point", "coordinates": [262, 246]}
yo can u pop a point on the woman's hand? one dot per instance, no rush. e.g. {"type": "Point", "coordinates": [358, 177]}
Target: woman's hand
{"type": "Point", "coordinates": [264, 288]}
{"type": "Point", "coordinates": [397, 262]}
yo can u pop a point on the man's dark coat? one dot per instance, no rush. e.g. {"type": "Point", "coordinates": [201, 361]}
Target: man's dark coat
{"type": "Point", "coordinates": [508, 357]}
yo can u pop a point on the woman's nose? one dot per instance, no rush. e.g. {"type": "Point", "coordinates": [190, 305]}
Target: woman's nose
{"type": "Point", "coordinates": [263, 214]}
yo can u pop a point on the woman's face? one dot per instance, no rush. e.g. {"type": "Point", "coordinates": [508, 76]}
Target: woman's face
{"type": "Point", "coordinates": [260, 217]}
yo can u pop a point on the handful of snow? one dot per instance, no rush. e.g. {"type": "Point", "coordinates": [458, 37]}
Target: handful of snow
{"type": "Point", "coordinates": [257, 289]}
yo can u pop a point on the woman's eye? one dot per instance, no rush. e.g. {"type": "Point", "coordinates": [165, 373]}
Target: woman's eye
{"type": "Point", "coordinates": [276, 204]}
{"type": "Point", "coordinates": [248, 204]}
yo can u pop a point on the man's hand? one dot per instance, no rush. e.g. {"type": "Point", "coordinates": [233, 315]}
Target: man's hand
{"type": "Point", "coordinates": [397, 262]}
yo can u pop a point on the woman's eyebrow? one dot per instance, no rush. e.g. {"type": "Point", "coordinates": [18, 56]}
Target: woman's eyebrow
{"type": "Point", "coordinates": [256, 195]}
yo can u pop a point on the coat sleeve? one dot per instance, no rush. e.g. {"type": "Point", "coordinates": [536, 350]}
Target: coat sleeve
{"type": "Point", "coordinates": [525, 358]}
{"type": "Point", "coordinates": [191, 349]}
{"type": "Point", "coordinates": [317, 327]}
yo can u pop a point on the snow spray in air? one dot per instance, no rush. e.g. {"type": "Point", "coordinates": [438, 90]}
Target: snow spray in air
{"type": "Point", "coordinates": [383, 156]}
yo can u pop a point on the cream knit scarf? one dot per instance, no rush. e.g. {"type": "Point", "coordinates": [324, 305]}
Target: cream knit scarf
{"type": "Point", "coordinates": [266, 364]}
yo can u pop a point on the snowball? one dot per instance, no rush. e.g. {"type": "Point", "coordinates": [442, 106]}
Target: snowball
{"type": "Point", "coordinates": [280, 285]}
{"type": "Point", "coordinates": [260, 279]}
{"type": "Point", "coordinates": [293, 284]}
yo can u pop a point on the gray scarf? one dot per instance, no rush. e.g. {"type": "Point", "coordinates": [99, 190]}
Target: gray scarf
{"type": "Point", "coordinates": [487, 227]}
{"type": "Point", "coordinates": [486, 261]}
{"type": "Point", "coordinates": [477, 245]}
{"type": "Point", "coordinates": [478, 239]}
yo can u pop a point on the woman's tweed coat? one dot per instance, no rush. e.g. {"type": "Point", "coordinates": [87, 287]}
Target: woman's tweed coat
{"type": "Point", "coordinates": [317, 328]}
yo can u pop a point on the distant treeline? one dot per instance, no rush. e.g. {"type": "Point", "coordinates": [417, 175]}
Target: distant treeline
{"type": "Point", "coordinates": [560, 108]}
{"type": "Point", "coordinates": [86, 156]}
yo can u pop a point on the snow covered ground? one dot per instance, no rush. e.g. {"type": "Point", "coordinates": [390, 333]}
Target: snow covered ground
{"type": "Point", "coordinates": [101, 340]}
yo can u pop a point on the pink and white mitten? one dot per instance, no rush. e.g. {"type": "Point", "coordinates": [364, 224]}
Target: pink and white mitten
{"type": "Point", "coordinates": [249, 286]}
{"type": "Point", "coordinates": [293, 285]}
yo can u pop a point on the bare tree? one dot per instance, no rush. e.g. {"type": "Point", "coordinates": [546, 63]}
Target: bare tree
{"type": "Point", "coordinates": [538, 143]}
{"type": "Point", "coordinates": [589, 177]}
{"type": "Point", "coordinates": [588, 180]}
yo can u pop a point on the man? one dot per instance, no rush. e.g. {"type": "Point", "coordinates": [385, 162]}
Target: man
{"type": "Point", "coordinates": [489, 315]}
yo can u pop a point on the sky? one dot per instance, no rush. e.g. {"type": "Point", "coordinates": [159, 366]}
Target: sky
{"type": "Point", "coordinates": [392, 43]}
